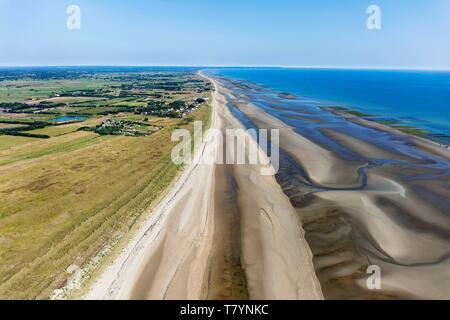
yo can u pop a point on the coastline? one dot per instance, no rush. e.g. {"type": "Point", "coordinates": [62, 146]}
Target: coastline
{"type": "Point", "coordinates": [170, 257]}
{"type": "Point", "coordinates": [275, 256]}
{"type": "Point", "coordinates": [308, 233]}
{"type": "Point", "coordinates": [79, 284]}
{"type": "Point", "coordinates": [111, 283]}
{"type": "Point", "coordinates": [414, 101]}
{"type": "Point", "coordinates": [367, 194]}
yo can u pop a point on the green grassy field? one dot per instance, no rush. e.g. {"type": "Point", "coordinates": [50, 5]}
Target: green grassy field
{"type": "Point", "coordinates": [98, 110]}
{"type": "Point", "coordinates": [21, 90]}
{"type": "Point", "coordinates": [54, 131]}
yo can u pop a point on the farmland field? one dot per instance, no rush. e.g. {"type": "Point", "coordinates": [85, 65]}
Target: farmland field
{"type": "Point", "coordinates": [10, 141]}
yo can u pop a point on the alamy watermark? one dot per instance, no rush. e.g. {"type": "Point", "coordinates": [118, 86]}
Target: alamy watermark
{"type": "Point", "coordinates": [374, 20]}
{"type": "Point", "coordinates": [74, 18]}
{"type": "Point", "coordinates": [241, 147]}
{"type": "Point", "coordinates": [374, 280]}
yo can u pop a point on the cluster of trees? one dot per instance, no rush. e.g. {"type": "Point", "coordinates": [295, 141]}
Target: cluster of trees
{"type": "Point", "coordinates": [168, 85]}
{"type": "Point", "coordinates": [174, 109]}
{"type": "Point", "coordinates": [85, 93]}
{"type": "Point", "coordinates": [13, 106]}
{"type": "Point", "coordinates": [120, 108]}
{"type": "Point", "coordinates": [204, 88]}
{"type": "Point", "coordinates": [27, 134]}
{"type": "Point", "coordinates": [199, 101]}
{"type": "Point", "coordinates": [19, 107]}
{"type": "Point", "coordinates": [22, 131]}
{"type": "Point", "coordinates": [117, 128]}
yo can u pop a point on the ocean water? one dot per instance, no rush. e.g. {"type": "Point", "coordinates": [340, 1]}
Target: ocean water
{"type": "Point", "coordinates": [415, 98]}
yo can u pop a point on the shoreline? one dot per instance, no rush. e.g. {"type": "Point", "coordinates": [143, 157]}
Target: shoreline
{"type": "Point", "coordinates": [109, 285]}
{"type": "Point", "coordinates": [275, 256]}
{"type": "Point", "coordinates": [364, 196]}
{"type": "Point", "coordinates": [175, 248]}
{"type": "Point", "coordinates": [292, 236]}
{"type": "Point", "coordinates": [404, 121]}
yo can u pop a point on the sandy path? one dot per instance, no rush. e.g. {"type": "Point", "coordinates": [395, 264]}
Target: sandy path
{"type": "Point", "coordinates": [179, 252]}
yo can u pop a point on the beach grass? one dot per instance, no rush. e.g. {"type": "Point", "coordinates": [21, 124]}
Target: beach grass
{"type": "Point", "coordinates": [65, 198]}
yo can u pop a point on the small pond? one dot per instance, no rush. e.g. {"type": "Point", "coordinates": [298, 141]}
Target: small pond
{"type": "Point", "coordinates": [69, 119]}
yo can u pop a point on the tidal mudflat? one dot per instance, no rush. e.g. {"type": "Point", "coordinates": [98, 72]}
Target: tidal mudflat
{"type": "Point", "coordinates": [367, 194]}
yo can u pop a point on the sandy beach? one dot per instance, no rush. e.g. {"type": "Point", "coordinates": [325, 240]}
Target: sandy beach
{"type": "Point", "coordinates": [222, 232]}
{"type": "Point", "coordinates": [350, 194]}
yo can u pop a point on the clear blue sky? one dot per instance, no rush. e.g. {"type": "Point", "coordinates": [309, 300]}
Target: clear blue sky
{"type": "Point", "coordinates": [415, 33]}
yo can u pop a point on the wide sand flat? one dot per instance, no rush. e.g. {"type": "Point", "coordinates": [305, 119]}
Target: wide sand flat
{"type": "Point", "coordinates": [366, 194]}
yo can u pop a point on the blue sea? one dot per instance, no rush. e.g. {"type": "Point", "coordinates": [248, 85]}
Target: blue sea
{"type": "Point", "coordinates": [415, 98]}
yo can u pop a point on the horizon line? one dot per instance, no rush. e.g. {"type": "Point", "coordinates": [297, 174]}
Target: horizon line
{"type": "Point", "coordinates": [411, 68]}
